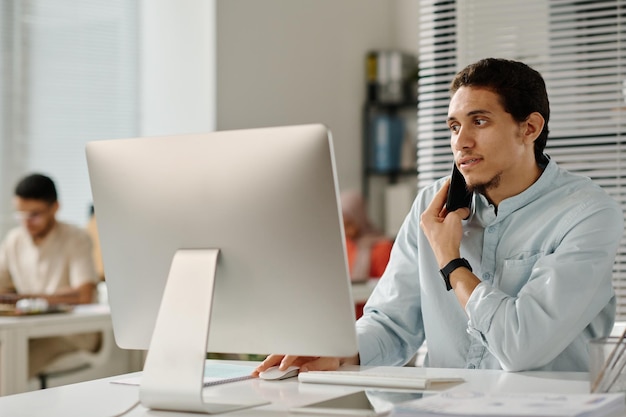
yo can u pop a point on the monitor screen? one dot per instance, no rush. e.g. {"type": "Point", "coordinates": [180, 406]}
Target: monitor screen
{"type": "Point", "coordinates": [266, 199]}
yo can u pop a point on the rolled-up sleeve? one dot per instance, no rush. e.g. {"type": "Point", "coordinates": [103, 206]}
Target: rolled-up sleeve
{"type": "Point", "coordinates": [565, 291]}
{"type": "Point", "coordinates": [391, 330]}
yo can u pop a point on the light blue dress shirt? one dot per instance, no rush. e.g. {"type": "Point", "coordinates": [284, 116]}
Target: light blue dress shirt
{"type": "Point", "coordinates": [545, 261]}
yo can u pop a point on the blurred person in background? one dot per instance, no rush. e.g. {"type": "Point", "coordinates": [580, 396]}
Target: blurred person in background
{"type": "Point", "coordinates": [367, 248]}
{"type": "Point", "coordinates": [92, 230]}
{"type": "Point", "coordinates": [49, 260]}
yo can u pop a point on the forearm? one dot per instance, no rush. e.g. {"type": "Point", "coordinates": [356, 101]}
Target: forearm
{"type": "Point", "coordinates": [463, 282]}
{"type": "Point", "coordinates": [352, 360]}
{"type": "Point", "coordinates": [70, 296]}
{"type": "Point", "coordinates": [80, 295]}
{"type": "Point", "coordinates": [444, 232]}
{"type": "Point", "coordinates": [8, 296]}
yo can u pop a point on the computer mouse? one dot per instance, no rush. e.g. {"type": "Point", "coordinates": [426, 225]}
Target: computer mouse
{"type": "Point", "coordinates": [275, 374]}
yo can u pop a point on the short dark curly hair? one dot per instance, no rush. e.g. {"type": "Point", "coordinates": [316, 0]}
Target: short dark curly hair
{"type": "Point", "coordinates": [522, 91]}
{"type": "Point", "coordinates": [36, 187]}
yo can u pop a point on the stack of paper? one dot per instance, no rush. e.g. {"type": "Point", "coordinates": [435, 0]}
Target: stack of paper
{"type": "Point", "coordinates": [468, 403]}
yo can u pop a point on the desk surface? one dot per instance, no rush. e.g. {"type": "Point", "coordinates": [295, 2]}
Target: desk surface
{"type": "Point", "coordinates": [16, 331]}
{"type": "Point", "coordinates": [102, 398]}
{"type": "Point", "coordinates": [84, 312]}
{"type": "Point", "coordinates": [361, 291]}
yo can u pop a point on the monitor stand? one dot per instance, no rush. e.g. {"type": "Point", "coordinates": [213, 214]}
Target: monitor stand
{"type": "Point", "coordinates": [174, 369]}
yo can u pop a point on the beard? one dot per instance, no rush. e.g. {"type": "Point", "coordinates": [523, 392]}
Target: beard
{"type": "Point", "coordinates": [482, 188]}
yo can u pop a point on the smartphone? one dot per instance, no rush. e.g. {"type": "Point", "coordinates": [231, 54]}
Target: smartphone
{"type": "Point", "coordinates": [458, 195]}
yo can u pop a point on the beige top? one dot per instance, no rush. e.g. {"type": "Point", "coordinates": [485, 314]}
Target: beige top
{"type": "Point", "coordinates": [63, 260]}
{"type": "Point", "coordinates": [92, 230]}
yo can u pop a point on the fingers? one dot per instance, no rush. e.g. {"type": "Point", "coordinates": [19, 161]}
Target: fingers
{"type": "Point", "coordinates": [321, 364]}
{"type": "Point", "coordinates": [271, 360]}
{"type": "Point", "coordinates": [437, 205]}
{"type": "Point", "coordinates": [464, 212]}
{"type": "Point", "coordinates": [306, 363]}
{"type": "Point", "coordinates": [436, 211]}
{"type": "Point", "coordinates": [289, 360]}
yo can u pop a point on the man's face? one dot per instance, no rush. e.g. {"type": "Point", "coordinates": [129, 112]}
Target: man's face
{"type": "Point", "coordinates": [489, 146]}
{"type": "Point", "coordinates": [37, 216]}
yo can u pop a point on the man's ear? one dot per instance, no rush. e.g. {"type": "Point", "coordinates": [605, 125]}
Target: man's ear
{"type": "Point", "coordinates": [533, 125]}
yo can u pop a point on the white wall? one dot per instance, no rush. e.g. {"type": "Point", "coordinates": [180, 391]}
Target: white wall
{"type": "Point", "coordinates": [268, 63]}
{"type": "Point", "coordinates": [289, 62]}
{"type": "Point", "coordinates": [405, 24]}
{"type": "Point", "coordinates": [177, 91]}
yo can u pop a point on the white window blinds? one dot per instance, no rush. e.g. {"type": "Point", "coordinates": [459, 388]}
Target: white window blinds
{"type": "Point", "coordinates": [585, 82]}
{"type": "Point", "coordinates": [438, 64]}
{"type": "Point", "coordinates": [69, 75]}
{"type": "Point", "coordinates": [579, 48]}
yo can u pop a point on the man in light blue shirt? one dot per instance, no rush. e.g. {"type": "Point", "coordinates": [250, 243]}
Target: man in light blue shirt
{"type": "Point", "coordinates": [520, 280]}
{"type": "Point", "coordinates": [543, 262]}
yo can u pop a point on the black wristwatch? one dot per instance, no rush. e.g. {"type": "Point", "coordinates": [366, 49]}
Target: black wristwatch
{"type": "Point", "coordinates": [452, 265]}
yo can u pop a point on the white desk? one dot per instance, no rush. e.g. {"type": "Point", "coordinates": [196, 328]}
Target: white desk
{"type": "Point", "coordinates": [101, 398]}
{"type": "Point", "coordinates": [361, 291]}
{"type": "Point", "coordinates": [15, 332]}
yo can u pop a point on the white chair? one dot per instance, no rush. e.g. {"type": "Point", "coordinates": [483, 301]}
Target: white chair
{"type": "Point", "coordinates": [80, 364]}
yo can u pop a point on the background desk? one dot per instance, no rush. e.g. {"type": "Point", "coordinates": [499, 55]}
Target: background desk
{"type": "Point", "coordinates": [361, 291]}
{"type": "Point", "coordinates": [16, 331]}
{"type": "Point", "coordinates": [102, 399]}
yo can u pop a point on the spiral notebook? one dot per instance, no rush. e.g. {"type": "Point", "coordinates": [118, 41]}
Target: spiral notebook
{"type": "Point", "coordinates": [214, 373]}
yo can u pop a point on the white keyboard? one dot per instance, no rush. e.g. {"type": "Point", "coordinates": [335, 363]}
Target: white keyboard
{"type": "Point", "coordinates": [371, 379]}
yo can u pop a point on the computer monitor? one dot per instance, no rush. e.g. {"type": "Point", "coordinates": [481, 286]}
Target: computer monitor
{"type": "Point", "coordinates": [247, 226]}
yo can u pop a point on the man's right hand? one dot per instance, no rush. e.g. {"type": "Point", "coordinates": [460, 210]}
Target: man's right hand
{"type": "Point", "coordinates": [306, 363]}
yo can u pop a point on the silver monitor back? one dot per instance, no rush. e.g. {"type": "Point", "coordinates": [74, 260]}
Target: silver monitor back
{"type": "Point", "coordinates": [266, 198]}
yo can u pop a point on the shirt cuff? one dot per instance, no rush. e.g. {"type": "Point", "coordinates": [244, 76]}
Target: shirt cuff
{"type": "Point", "coordinates": [367, 343]}
{"type": "Point", "coordinates": [481, 307]}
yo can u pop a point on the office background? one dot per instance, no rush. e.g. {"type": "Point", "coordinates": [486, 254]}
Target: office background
{"type": "Point", "coordinates": [578, 46]}
{"type": "Point", "coordinates": [108, 69]}
{"type": "Point", "coordinates": [72, 72]}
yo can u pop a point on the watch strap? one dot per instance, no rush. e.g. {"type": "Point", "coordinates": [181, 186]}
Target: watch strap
{"type": "Point", "coordinates": [450, 267]}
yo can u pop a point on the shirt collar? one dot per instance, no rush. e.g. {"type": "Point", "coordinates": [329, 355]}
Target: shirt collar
{"type": "Point", "coordinates": [50, 237]}
{"type": "Point", "coordinates": [485, 211]}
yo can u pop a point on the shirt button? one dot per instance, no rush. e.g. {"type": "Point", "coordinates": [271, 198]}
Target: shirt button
{"type": "Point", "coordinates": [491, 229]}
{"type": "Point", "coordinates": [486, 275]}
